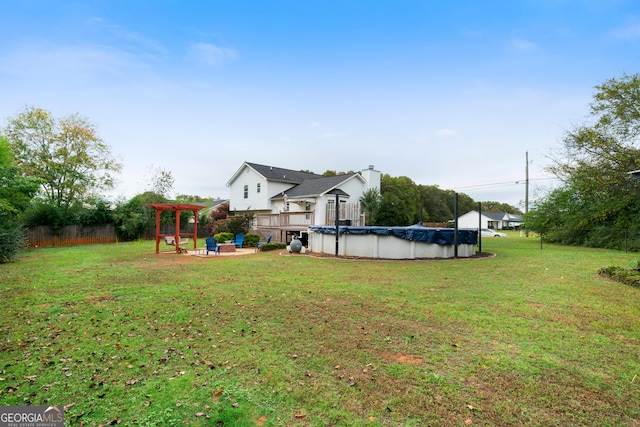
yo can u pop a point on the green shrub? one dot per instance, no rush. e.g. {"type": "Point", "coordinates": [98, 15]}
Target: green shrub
{"type": "Point", "coordinates": [236, 224]}
{"type": "Point", "coordinates": [272, 246]}
{"type": "Point", "coordinates": [224, 237]}
{"type": "Point", "coordinates": [251, 240]}
{"type": "Point", "coordinates": [11, 242]}
{"type": "Point", "coordinates": [622, 275]}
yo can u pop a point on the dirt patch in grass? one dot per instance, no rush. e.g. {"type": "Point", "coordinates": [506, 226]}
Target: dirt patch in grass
{"type": "Point", "coordinates": [404, 358]}
{"type": "Point", "coordinates": [98, 299]}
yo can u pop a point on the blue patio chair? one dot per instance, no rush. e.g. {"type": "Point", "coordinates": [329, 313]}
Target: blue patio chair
{"type": "Point", "coordinates": [239, 240]}
{"type": "Point", "coordinates": [262, 243]}
{"type": "Point", "coordinates": [212, 245]}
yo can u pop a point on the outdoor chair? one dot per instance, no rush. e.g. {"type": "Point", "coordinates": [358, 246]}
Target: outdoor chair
{"type": "Point", "coordinates": [239, 240]}
{"type": "Point", "coordinates": [263, 243]}
{"type": "Point", "coordinates": [212, 245]}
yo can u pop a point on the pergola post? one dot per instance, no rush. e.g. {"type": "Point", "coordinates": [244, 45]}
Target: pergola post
{"type": "Point", "coordinates": [158, 212]}
{"type": "Point", "coordinates": [177, 237]}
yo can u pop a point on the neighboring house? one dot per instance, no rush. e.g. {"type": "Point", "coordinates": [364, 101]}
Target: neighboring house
{"type": "Point", "coordinates": [286, 201]}
{"type": "Point", "coordinates": [493, 220]}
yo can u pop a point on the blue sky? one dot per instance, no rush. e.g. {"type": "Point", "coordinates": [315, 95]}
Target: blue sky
{"type": "Point", "coordinates": [447, 93]}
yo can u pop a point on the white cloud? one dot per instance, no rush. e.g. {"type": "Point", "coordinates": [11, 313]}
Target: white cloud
{"type": "Point", "coordinates": [523, 45]}
{"type": "Point", "coordinates": [209, 54]}
{"type": "Point", "coordinates": [131, 39]}
{"type": "Point", "coordinates": [69, 61]}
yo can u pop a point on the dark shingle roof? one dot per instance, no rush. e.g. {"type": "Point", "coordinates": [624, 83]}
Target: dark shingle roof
{"type": "Point", "coordinates": [498, 216]}
{"type": "Point", "coordinates": [273, 173]}
{"type": "Point", "coordinates": [494, 215]}
{"type": "Point", "coordinates": [314, 186]}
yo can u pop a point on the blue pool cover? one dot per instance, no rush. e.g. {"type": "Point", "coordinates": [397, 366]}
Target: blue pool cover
{"type": "Point", "coordinates": [440, 236]}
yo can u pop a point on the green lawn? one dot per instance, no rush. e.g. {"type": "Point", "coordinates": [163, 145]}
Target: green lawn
{"type": "Point", "coordinates": [119, 334]}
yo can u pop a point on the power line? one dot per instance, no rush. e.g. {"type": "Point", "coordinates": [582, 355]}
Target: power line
{"type": "Point", "coordinates": [502, 184]}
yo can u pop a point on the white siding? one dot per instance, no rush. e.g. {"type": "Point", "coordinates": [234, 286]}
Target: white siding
{"type": "Point", "coordinates": [470, 220]}
{"type": "Point", "coordinates": [255, 200]}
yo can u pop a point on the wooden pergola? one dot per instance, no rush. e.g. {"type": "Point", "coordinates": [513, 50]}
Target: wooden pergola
{"type": "Point", "coordinates": [177, 208]}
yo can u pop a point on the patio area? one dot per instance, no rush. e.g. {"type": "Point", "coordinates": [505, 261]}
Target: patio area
{"type": "Point", "coordinates": [202, 252]}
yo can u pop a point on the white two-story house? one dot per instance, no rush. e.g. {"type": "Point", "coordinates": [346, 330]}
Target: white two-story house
{"type": "Point", "coordinates": [287, 201]}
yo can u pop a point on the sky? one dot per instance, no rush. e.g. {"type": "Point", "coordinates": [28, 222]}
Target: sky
{"type": "Point", "coordinates": [447, 93]}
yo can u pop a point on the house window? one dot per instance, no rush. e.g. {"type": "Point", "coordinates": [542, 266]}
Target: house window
{"type": "Point", "coordinates": [307, 206]}
{"type": "Point", "coordinates": [258, 188]}
{"type": "Point", "coordinates": [246, 191]}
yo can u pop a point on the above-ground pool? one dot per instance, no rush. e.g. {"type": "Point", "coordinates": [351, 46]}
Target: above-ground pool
{"type": "Point", "coordinates": [413, 242]}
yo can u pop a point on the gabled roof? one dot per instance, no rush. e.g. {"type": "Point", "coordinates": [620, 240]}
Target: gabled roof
{"type": "Point", "coordinates": [272, 173]}
{"type": "Point", "coordinates": [316, 186]}
{"type": "Point", "coordinates": [496, 216]}
{"type": "Point", "coordinates": [499, 216]}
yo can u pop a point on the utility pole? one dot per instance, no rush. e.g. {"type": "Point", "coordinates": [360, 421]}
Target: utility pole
{"type": "Point", "coordinates": [526, 192]}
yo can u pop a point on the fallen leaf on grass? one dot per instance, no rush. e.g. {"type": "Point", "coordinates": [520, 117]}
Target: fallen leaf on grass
{"type": "Point", "coordinates": [199, 414]}
{"type": "Point", "coordinates": [301, 416]}
{"type": "Point", "coordinates": [111, 423]}
{"type": "Point", "coordinates": [468, 421]}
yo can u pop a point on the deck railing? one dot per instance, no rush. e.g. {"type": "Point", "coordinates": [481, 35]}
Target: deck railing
{"type": "Point", "coordinates": [285, 219]}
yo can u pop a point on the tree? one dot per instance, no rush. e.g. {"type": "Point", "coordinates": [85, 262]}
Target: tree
{"type": "Point", "coordinates": [67, 155]}
{"type": "Point", "coordinates": [134, 218]}
{"type": "Point", "coordinates": [370, 204]}
{"type": "Point", "coordinates": [16, 192]}
{"type": "Point", "coordinates": [491, 206]}
{"type": "Point", "coordinates": [398, 205]}
{"type": "Point", "coordinates": [433, 202]}
{"type": "Point", "coordinates": [593, 166]}
{"type": "Point", "coordinates": [465, 202]}
{"type": "Point", "coordinates": [161, 181]}
{"type": "Point", "coordinates": [218, 216]}
{"type": "Point", "coordinates": [193, 199]}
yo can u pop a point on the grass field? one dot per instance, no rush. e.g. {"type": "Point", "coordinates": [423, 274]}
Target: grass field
{"type": "Point", "coordinates": [120, 335]}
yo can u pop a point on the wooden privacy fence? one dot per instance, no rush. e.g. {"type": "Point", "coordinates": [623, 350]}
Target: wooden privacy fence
{"type": "Point", "coordinates": [43, 236]}
{"type": "Point", "coordinates": [350, 214]}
